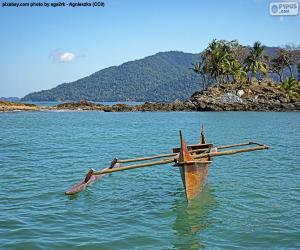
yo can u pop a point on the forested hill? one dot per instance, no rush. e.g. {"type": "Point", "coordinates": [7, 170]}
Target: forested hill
{"type": "Point", "coordinates": [164, 76]}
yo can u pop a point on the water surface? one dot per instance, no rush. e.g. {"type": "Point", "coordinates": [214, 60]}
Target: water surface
{"type": "Point", "coordinates": [251, 200]}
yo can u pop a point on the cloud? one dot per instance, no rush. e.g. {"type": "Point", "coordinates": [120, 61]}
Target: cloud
{"type": "Point", "coordinates": [67, 57]}
{"type": "Point", "coordinates": [63, 56]}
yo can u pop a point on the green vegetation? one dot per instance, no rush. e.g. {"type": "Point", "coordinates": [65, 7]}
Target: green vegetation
{"type": "Point", "coordinates": [164, 76]}
{"type": "Point", "coordinates": [221, 62]}
{"type": "Point", "coordinates": [256, 61]}
{"type": "Point", "coordinates": [292, 87]}
{"type": "Point", "coordinates": [224, 62]}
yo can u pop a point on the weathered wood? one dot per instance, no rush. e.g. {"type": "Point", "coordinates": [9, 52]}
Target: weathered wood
{"type": "Point", "coordinates": [158, 156]}
{"type": "Point", "coordinates": [259, 144]}
{"type": "Point", "coordinates": [202, 136]}
{"type": "Point", "coordinates": [234, 145]}
{"type": "Point", "coordinates": [193, 162]}
{"type": "Point", "coordinates": [147, 158]}
{"type": "Point", "coordinates": [231, 152]}
{"type": "Point", "coordinates": [173, 159]}
{"type": "Point", "coordinates": [194, 147]}
{"type": "Point", "coordinates": [141, 165]}
{"type": "Point", "coordinates": [240, 144]}
{"type": "Point", "coordinates": [193, 172]}
{"type": "Point", "coordinates": [194, 177]}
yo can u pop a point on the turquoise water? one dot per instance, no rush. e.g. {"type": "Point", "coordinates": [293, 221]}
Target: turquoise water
{"type": "Point", "coordinates": [251, 200]}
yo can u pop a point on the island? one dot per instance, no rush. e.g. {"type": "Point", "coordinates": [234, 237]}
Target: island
{"type": "Point", "coordinates": [232, 77]}
{"type": "Point", "coordinates": [259, 96]}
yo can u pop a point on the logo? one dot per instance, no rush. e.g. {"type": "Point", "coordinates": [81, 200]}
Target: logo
{"type": "Point", "coordinates": [283, 8]}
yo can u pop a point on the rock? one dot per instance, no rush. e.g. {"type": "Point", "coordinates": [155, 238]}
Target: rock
{"type": "Point", "coordinates": [277, 102]}
{"type": "Point", "coordinates": [202, 105]}
{"type": "Point", "coordinates": [265, 96]}
{"type": "Point", "coordinates": [121, 108]}
{"type": "Point", "coordinates": [249, 92]}
{"type": "Point", "coordinates": [228, 98]}
{"type": "Point", "coordinates": [240, 92]}
{"type": "Point", "coordinates": [262, 101]}
{"type": "Point", "coordinates": [283, 100]}
{"type": "Point", "coordinates": [6, 106]}
{"type": "Point", "coordinates": [190, 105]}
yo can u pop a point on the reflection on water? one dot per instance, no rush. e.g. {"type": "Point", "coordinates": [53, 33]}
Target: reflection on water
{"type": "Point", "coordinates": [191, 219]}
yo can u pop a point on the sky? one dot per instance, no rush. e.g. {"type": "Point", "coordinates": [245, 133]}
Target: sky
{"type": "Point", "coordinates": [42, 47]}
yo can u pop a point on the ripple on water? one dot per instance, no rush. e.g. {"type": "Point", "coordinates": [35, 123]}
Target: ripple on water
{"type": "Point", "coordinates": [251, 200]}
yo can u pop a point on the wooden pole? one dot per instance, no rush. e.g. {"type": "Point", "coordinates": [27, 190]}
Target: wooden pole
{"type": "Point", "coordinates": [158, 156]}
{"type": "Point", "coordinates": [231, 152]}
{"type": "Point", "coordinates": [141, 165]}
{"type": "Point", "coordinates": [235, 145]}
{"type": "Point", "coordinates": [240, 144]}
{"type": "Point", "coordinates": [191, 151]}
{"type": "Point", "coordinates": [147, 158]}
{"type": "Point", "coordinates": [171, 160]}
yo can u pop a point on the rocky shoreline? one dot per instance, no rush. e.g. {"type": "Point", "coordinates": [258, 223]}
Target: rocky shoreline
{"type": "Point", "coordinates": [7, 106]}
{"type": "Point", "coordinates": [265, 96]}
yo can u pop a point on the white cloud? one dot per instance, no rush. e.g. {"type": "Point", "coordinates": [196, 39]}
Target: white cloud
{"type": "Point", "coordinates": [63, 56]}
{"type": "Point", "coordinates": [67, 57]}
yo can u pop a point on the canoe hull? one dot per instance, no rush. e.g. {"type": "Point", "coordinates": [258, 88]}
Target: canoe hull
{"type": "Point", "coordinates": [194, 178]}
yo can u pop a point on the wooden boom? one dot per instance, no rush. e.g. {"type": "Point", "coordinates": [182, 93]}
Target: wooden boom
{"type": "Point", "coordinates": [231, 152]}
{"type": "Point", "coordinates": [141, 165]}
{"type": "Point", "coordinates": [176, 154]}
{"type": "Point", "coordinates": [193, 161]}
{"type": "Point", "coordinates": [175, 159]}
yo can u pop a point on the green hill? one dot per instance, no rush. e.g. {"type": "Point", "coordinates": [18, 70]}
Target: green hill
{"type": "Point", "coordinates": [164, 76]}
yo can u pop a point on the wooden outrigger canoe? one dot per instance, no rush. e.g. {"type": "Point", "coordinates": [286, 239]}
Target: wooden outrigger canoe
{"type": "Point", "coordinates": [193, 161]}
{"type": "Point", "coordinates": [193, 171]}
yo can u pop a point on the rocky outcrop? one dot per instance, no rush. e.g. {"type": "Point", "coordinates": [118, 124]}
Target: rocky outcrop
{"type": "Point", "coordinates": [6, 106]}
{"type": "Point", "coordinates": [264, 96]}
{"type": "Point", "coordinates": [80, 106]}
{"type": "Point", "coordinates": [146, 107]}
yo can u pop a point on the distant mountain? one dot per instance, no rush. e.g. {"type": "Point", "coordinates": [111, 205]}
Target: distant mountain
{"type": "Point", "coordinates": [10, 99]}
{"type": "Point", "coordinates": [164, 76]}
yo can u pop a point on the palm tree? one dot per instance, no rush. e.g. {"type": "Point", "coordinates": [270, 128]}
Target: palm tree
{"type": "Point", "coordinates": [218, 55]}
{"type": "Point", "coordinates": [256, 61]}
{"type": "Point", "coordinates": [291, 87]}
{"type": "Point", "coordinates": [237, 71]}
{"type": "Point", "coordinates": [199, 69]}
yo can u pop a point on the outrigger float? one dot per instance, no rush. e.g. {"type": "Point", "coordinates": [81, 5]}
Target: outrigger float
{"type": "Point", "coordinates": [193, 161]}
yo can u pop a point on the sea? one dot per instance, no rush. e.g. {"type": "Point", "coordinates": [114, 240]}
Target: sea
{"type": "Point", "coordinates": [250, 201]}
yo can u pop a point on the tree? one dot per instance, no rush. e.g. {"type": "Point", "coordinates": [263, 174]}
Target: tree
{"type": "Point", "coordinates": [199, 69]}
{"type": "Point", "coordinates": [222, 61]}
{"type": "Point", "coordinates": [291, 87]}
{"type": "Point", "coordinates": [279, 63]}
{"type": "Point", "coordinates": [237, 71]}
{"type": "Point", "coordinates": [256, 61]}
{"type": "Point", "coordinates": [240, 52]}
{"type": "Point", "coordinates": [292, 57]}
{"type": "Point", "coordinates": [217, 60]}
